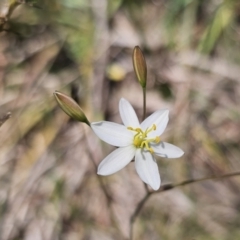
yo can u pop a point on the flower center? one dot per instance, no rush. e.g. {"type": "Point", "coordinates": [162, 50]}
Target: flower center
{"type": "Point", "coordinates": [140, 139]}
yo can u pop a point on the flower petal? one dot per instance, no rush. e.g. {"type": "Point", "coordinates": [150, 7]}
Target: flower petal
{"type": "Point", "coordinates": [116, 160]}
{"type": "Point", "coordinates": [128, 114]}
{"type": "Point", "coordinates": [147, 168]}
{"type": "Point", "coordinates": [160, 119]}
{"type": "Point", "coordinates": [167, 150]}
{"type": "Point", "coordinates": [113, 133]}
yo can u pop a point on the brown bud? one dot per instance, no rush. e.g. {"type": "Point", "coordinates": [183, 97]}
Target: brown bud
{"type": "Point", "coordinates": [140, 66]}
{"type": "Point", "coordinates": [70, 107]}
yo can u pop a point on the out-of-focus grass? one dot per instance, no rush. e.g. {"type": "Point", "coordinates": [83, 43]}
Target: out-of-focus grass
{"type": "Point", "coordinates": [48, 183]}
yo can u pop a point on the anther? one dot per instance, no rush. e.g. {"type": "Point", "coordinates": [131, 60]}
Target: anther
{"type": "Point", "coordinates": [138, 130]}
{"type": "Point", "coordinates": [153, 128]}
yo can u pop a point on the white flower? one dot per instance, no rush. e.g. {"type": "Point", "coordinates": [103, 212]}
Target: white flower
{"type": "Point", "coordinates": [136, 140]}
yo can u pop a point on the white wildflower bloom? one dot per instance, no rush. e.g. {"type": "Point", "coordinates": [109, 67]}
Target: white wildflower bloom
{"type": "Point", "coordinates": [137, 140]}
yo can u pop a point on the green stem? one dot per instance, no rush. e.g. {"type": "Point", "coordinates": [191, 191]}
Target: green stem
{"type": "Point", "coordinates": [144, 103]}
{"type": "Point", "coordinates": [144, 116]}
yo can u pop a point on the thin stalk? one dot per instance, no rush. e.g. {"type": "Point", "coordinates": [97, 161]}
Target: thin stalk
{"type": "Point", "coordinates": [144, 116]}
{"type": "Point", "coordinates": [136, 212]}
{"type": "Point", "coordinates": [170, 186]}
{"type": "Point", "coordinates": [144, 103]}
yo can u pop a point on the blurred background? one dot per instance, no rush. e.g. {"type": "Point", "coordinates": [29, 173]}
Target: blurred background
{"type": "Point", "coordinates": [49, 188]}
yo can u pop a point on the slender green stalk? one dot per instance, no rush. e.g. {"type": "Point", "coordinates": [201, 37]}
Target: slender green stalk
{"type": "Point", "coordinates": [144, 102]}
{"type": "Point", "coordinates": [144, 116]}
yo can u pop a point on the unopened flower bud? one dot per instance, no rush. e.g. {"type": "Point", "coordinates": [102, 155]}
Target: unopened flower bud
{"type": "Point", "coordinates": [70, 107]}
{"type": "Point", "coordinates": [140, 66]}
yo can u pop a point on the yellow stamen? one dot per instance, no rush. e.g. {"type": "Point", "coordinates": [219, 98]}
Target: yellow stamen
{"type": "Point", "coordinates": [153, 128]}
{"type": "Point", "coordinates": [140, 138]}
{"type": "Point", "coordinates": [146, 143]}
